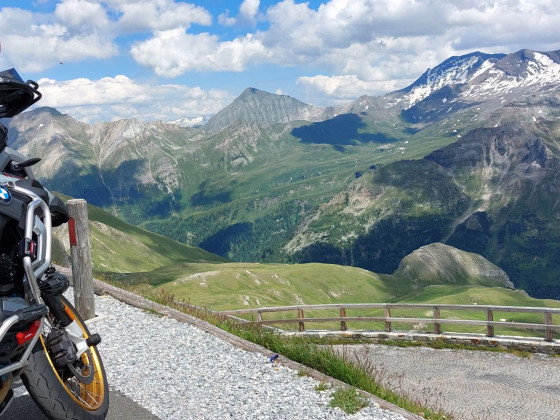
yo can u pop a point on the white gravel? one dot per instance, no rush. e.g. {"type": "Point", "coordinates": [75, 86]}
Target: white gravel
{"type": "Point", "coordinates": [178, 371]}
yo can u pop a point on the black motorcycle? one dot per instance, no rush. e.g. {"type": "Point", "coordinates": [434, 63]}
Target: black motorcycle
{"type": "Point", "coordinates": [43, 339]}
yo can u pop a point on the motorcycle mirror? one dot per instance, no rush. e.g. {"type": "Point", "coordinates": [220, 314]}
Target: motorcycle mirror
{"type": "Point", "coordinates": [16, 166]}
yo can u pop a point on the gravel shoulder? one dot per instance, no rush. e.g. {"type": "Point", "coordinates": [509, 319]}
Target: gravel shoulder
{"type": "Point", "coordinates": [178, 370]}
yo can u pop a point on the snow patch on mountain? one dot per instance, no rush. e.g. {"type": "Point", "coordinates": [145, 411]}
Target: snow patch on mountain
{"type": "Point", "coordinates": [539, 71]}
{"type": "Point", "coordinates": [487, 65]}
{"type": "Point", "coordinates": [191, 121]}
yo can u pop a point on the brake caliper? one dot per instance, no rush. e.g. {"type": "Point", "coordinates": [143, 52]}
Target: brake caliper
{"type": "Point", "coordinates": [63, 351]}
{"type": "Point", "coordinates": [66, 346]}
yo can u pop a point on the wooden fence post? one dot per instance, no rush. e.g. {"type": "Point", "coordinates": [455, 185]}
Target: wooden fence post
{"type": "Point", "coordinates": [343, 315]}
{"type": "Point", "coordinates": [437, 329]}
{"type": "Point", "coordinates": [387, 315]}
{"type": "Point", "coordinates": [489, 328]}
{"type": "Point", "coordinates": [80, 251]}
{"type": "Point", "coordinates": [548, 321]}
{"type": "Point", "coordinates": [301, 324]}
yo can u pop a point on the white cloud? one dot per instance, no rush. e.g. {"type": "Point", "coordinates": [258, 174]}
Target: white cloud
{"type": "Point", "coordinates": [35, 42]}
{"type": "Point", "coordinates": [174, 52]}
{"type": "Point", "coordinates": [382, 45]}
{"type": "Point", "coordinates": [160, 15]}
{"type": "Point", "coordinates": [226, 20]}
{"type": "Point", "coordinates": [113, 98]}
{"type": "Point", "coordinates": [248, 11]}
{"type": "Point", "coordinates": [346, 86]}
{"type": "Point", "coordinates": [47, 46]}
{"type": "Point", "coordinates": [79, 15]}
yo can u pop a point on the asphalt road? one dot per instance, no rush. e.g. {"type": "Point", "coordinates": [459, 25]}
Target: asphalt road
{"type": "Point", "coordinates": [120, 408]}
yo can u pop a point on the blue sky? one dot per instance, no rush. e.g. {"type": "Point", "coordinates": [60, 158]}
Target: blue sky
{"type": "Point", "coordinates": [169, 59]}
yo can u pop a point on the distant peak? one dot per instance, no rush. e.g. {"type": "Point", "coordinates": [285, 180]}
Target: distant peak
{"type": "Point", "coordinates": [46, 110]}
{"type": "Point", "coordinates": [263, 108]}
{"type": "Point", "coordinates": [252, 90]}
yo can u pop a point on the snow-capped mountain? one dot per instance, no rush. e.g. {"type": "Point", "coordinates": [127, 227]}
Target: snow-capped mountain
{"type": "Point", "coordinates": [477, 80]}
{"type": "Point", "coordinates": [479, 77]}
{"type": "Point", "coordinates": [453, 71]}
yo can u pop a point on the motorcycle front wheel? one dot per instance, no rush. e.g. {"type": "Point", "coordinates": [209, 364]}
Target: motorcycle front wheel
{"type": "Point", "coordinates": [59, 393]}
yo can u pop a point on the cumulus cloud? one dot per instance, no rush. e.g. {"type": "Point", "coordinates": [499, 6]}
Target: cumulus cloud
{"type": "Point", "coordinates": [113, 98]}
{"type": "Point", "coordinates": [248, 11]}
{"type": "Point", "coordinates": [376, 41]}
{"type": "Point", "coordinates": [345, 86]}
{"type": "Point", "coordinates": [174, 52]}
{"type": "Point", "coordinates": [78, 15]}
{"type": "Point", "coordinates": [160, 15]}
{"type": "Point", "coordinates": [45, 47]}
{"type": "Point", "coordinates": [34, 42]}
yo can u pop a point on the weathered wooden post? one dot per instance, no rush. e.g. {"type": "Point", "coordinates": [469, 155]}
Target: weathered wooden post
{"type": "Point", "coordinates": [548, 321]}
{"type": "Point", "coordinates": [301, 323]}
{"type": "Point", "coordinates": [437, 315]}
{"type": "Point", "coordinates": [387, 315]}
{"type": "Point", "coordinates": [343, 315]}
{"type": "Point", "coordinates": [80, 251]}
{"type": "Point", "coordinates": [489, 318]}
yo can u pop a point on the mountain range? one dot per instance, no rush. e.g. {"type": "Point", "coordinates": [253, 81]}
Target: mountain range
{"type": "Point", "coordinates": [467, 155]}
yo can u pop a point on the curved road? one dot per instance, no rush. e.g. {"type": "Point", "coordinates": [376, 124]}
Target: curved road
{"type": "Point", "coordinates": [468, 384]}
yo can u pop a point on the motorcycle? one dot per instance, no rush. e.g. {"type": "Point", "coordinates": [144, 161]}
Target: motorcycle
{"type": "Point", "coordinates": [43, 339]}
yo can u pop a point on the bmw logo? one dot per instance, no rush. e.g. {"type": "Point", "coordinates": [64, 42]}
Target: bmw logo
{"type": "Point", "coordinates": [5, 196]}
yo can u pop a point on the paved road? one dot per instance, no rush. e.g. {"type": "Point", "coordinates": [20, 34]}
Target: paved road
{"type": "Point", "coordinates": [120, 408]}
{"type": "Point", "coordinates": [469, 384]}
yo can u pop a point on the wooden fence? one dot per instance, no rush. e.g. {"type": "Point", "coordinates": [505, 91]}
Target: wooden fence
{"type": "Point", "coordinates": [437, 320]}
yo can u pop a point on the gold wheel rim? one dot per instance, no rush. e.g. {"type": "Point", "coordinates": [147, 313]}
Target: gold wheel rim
{"type": "Point", "coordinates": [89, 396]}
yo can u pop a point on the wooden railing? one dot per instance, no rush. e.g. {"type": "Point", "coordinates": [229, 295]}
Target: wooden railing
{"type": "Point", "coordinates": [547, 326]}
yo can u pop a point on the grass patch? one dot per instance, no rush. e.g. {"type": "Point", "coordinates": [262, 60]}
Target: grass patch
{"type": "Point", "coordinates": [323, 386]}
{"type": "Point", "coordinates": [348, 400]}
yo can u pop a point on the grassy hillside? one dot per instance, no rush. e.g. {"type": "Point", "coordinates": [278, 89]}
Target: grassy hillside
{"type": "Point", "coordinates": [239, 285]}
{"type": "Point", "coordinates": [120, 247]}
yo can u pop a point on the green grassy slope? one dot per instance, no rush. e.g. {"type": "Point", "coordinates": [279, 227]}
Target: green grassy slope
{"type": "Point", "coordinates": [120, 247]}
{"type": "Point", "coordinates": [239, 285]}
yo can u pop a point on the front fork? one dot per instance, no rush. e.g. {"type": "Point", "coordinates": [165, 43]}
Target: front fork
{"type": "Point", "coordinates": [66, 341]}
